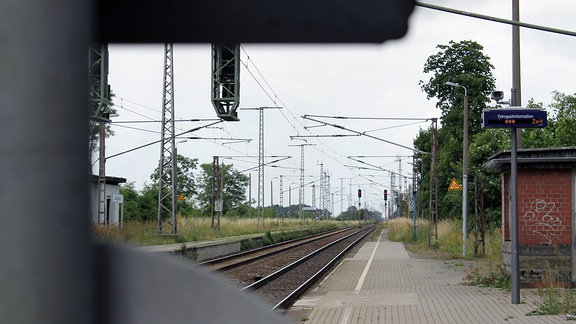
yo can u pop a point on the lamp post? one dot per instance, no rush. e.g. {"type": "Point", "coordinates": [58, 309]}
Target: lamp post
{"type": "Point", "coordinates": [464, 166]}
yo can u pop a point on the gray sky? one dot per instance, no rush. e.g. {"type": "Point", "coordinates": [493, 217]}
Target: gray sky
{"type": "Point", "coordinates": [337, 80]}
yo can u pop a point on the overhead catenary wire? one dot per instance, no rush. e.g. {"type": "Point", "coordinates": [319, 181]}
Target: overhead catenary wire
{"type": "Point", "coordinates": [160, 140]}
{"type": "Point", "coordinates": [364, 134]}
{"type": "Point", "coordinates": [276, 99]}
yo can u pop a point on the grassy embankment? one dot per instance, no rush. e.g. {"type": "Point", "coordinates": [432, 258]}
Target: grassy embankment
{"type": "Point", "coordinates": [200, 229]}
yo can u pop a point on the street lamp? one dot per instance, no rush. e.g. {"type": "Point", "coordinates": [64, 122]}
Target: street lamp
{"type": "Point", "coordinates": [464, 166]}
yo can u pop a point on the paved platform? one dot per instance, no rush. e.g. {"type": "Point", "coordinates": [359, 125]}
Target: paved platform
{"type": "Point", "coordinates": [382, 283]}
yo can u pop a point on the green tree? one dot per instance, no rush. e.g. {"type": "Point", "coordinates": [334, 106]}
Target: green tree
{"type": "Point", "coordinates": [139, 206]}
{"type": "Point", "coordinates": [234, 191]}
{"type": "Point", "coordinates": [560, 130]}
{"type": "Point", "coordinates": [463, 63]}
{"type": "Point", "coordinates": [186, 182]}
{"type": "Point", "coordinates": [132, 208]}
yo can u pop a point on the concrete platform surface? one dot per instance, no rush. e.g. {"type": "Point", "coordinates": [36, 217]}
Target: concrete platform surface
{"type": "Point", "coordinates": [382, 283]}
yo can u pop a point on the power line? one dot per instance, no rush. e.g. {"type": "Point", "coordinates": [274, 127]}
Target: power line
{"type": "Point", "coordinates": [137, 128]}
{"type": "Point", "coordinates": [275, 99]}
{"type": "Point", "coordinates": [372, 118]}
{"type": "Point", "coordinates": [364, 134]}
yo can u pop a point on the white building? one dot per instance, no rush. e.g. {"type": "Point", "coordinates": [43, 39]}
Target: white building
{"type": "Point", "coordinates": [113, 200]}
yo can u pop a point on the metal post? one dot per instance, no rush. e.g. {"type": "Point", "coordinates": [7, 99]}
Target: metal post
{"type": "Point", "coordinates": [342, 195]}
{"type": "Point", "coordinates": [515, 257]}
{"type": "Point", "coordinates": [515, 262]}
{"type": "Point", "coordinates": [464, 167]}
{"type": "Point", "coordinates": [289, 201]}
{"type": "Point", "coordinates": [43, 138]}
{"type": "Point", "coordinates": [516, 82]}
{"type": "Point", "coordinates": [250, 195]}
{"type": "Point", "coordinates": [465, 175]}
{"type": "Point", "coordinates": [301, 198]}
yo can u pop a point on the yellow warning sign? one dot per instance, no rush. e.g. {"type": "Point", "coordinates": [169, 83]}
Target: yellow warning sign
{"type": "Point", "coordinates": [454, 185]}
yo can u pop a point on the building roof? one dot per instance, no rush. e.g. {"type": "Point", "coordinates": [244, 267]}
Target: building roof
{"type": "Point", "coordinates": [537, 158]}
{"type": "Point", "coordinates": [109, 179]}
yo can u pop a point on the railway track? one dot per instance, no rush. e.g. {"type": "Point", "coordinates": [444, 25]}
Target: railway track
{"type": "Point", "coordinates": [285, 272]}
{"type": "Point", "coordinates": [229, 262]}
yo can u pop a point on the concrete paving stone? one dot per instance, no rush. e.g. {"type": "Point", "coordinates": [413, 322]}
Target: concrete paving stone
{"type": "Point", "coordinates": [398, 288]}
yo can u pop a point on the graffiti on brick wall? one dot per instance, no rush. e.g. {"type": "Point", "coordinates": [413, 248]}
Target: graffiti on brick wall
{"type": "Point", "coordinates": [542, 216]}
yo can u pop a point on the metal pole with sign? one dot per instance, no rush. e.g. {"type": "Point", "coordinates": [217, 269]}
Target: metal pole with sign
{"type": "Point", "coordinates": [514, 118]}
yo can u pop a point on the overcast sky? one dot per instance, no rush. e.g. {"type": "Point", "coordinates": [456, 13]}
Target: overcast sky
{"type": "Point", "coordinates": [336, 80]}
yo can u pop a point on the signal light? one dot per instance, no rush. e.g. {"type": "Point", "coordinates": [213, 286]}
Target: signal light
{"type": "Point", "coordinates": [385, 194]}
{"type": "Point", "coordinates": [359, 193]}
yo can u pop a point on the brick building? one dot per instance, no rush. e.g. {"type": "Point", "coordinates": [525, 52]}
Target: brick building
{"type": "Point", "coordinates": [546, 208]}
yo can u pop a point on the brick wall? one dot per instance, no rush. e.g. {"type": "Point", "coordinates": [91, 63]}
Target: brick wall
{"type": "Point", "coordinates": [544, 207]}
{"type": "Point", "coordinates": [544, 224]}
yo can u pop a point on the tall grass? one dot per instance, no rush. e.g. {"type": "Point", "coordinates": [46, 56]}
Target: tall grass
{"type": "Point", "coordinates": [449, 238]}
{"type": "Point", "coordinates": [200, 229]}
{"type": "Point", "coordinates": [449, 246]}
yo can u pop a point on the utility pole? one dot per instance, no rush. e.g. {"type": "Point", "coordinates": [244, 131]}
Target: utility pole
{"type": "Point", "coordinates": [516, 81]}
{"type": "Point", "coordinates": [167, 213]}
{"type": "Point", "coordinates": [301, 192]}
{"type": "Point", "coordinates": [327, 193]}
{"type": "Point", "coordinates": [261, 161]}
{"type": "Point", "coordinates": [350, 196]}
{"type": "Point", "coordinates": [342, 195]}
{"type": "Point", "coordinates": [434, 183]}
{"type": "Point", "coordinates": [217, 197]}
{"type": "Point", "coordinates": [415, 172]}
{"type": "Point", "coordinates": [399, 186]}
{"type": "Point", "coordinates": [314, 199]}
{"type": "Point", "coordinates": [100, 98]}
{"type": "Point", "coordinates": [392, 195]}
{"type": "Point", "coordinates": [281, 200]}
{"type": "Point", "coordinates": [289, 201]}
{"type": "Point", "coordinates": [321, 191]}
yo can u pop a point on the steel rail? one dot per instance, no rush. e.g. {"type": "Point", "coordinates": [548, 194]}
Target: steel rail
{"type": "Point", "coordinates": [275, 275]}
{"type": "Point", "coordinates": [274, 249]}
{"type": "Point", "coordinates": [296, 293]}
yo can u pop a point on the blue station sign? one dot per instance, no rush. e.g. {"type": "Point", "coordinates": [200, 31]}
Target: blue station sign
{"type": "Point", "coordinates": [514, 118]}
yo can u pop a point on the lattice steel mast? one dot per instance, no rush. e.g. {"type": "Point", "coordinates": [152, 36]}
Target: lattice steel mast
{"type": "Point", "coordinates": [261, 161]}
{"type": "Point", "coordinates": [281, 200]}
{"type": "Point", "coordinates": [100, 98]}
{"type": "Point", "coordinates": [314, 200]}
{"type": "Point", "coordinates": [167, 213]}
{"type": "Point", "coordinates": [217, 199]}
{"type": "Point", "coordinates": [301, 191]}
{"type": "Point", "coordinates": [261, 168]}
{"type": "Point", "coordinates": [415, 177]}
{"type": "Point", "coordinates": [321, 191]}
{"type": "Point", "coordinates": [434, 183]}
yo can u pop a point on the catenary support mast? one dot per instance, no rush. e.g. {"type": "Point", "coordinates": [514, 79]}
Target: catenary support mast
{"type": "Point", "coordinates": [167, 213]}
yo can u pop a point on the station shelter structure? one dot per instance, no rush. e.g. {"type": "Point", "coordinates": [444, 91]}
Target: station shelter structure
{"type": "Point", "coordinates": [113, 213]}
{"type": "Point", "coordinates": [546, 213]}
